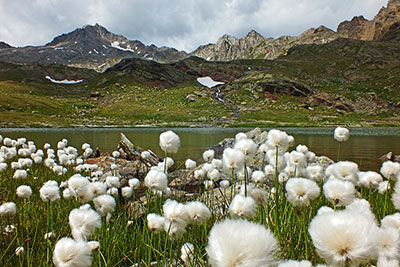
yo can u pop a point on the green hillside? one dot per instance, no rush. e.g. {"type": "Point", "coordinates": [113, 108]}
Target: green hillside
{"type": "Point", "coordinates": [345, 81]}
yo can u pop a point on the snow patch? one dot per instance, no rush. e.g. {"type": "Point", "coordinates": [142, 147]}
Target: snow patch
{"type": "Point", "coordinates": [63, 81]}
{"type": "Point", "coordinates": [116, 45]}
{"type": "Point", "coordinates": [207, 81]}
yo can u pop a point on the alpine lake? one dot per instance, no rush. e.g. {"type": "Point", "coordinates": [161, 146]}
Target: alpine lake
{"type": "Point", "coordinates": [365, 146]}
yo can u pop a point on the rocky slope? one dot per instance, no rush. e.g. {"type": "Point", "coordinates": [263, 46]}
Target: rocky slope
{"type": "Point", "coordinates": [255, 46]}
{"type": "Point", "coordinates": [4, 45]}
{"type": "Point", "coordinates": [89, 47]}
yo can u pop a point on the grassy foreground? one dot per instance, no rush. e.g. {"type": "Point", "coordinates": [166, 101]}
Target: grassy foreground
{"type": "Point", "coordinates": [125, 239]}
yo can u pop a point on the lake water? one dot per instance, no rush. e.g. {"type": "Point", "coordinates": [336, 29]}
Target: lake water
{"type": "Point", "coordinates": [364, 147]}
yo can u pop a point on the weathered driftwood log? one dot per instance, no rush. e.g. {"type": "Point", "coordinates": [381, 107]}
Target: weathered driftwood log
{"type": "Point", "coordinates": [390, 156]}
{"type": "Point", "coordinates": [133, 152]}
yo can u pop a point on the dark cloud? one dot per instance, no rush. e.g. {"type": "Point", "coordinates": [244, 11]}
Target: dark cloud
{"type": "Point", "coordinates": [183, 24]}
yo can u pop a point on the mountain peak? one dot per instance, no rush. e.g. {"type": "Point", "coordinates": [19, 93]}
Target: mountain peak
{"type": "Point", "coordinates": [4, 45]}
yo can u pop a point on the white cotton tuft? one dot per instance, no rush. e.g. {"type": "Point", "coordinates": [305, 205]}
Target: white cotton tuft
{"type": "Point", "coordinates": [343, 170]}
{"type": "Point", "coordinates": [301, 191]}
{"type": "Point", "coordinates": [83, 223]}
{"type": "Point", "coordinates": [126, 192]}
{"type": "Point", "coordinates": [197, 211]}
{"type": "Point", "coordinates": [190, 164]}
{"type": "Point", "coordinates": [388, 243]}
{"type": "Point", "coordinates": [24, 191]}
{"type": "Point", "coordinates": [248, 147]}
{"type": "Point", "coordinates": [71, 253]}
{"type": "Point", "coordinates": [233, 159]}
{"type": "Point", "coordinates": [156, 179]}
{"type": "Point", "coordinates": [249, 244]}
{"type": "Point", "coordinates": [341, 134]}
{"type": "Point", "coordinates": [134, 183]}
{"type": "Point", "coordinates": [208, 155]}
{"type": "Point", "coordinates": [243, 207]}
{"type": "Point", "coordinates": [390, 170]}
{"type": "Point", "coordinates": [175, 212]}
{"type": "Point", "coordinates": [315, 172]}
{"type": "Point", "coordinates": [8, 209]}
{"type": "Point", "coordinates": [20, 174]}
{"type": "Point", "coordinates": [187, 253]}
{"type": "Point", "coordinates": [50, 191]}
{"type": "Point", "coordinates": [370, 179]}
{"type": "Point", "coordinates": [112, 181]}
{"type": "Point", "coordinates": [339, 192]}
{"type": "Point", "coordinates": [344, 237]}
{"type": "Point", "coordinates": [156, 222]}
{"type": "Point", "coordinates": [293, 263]}
{"type": "Point", "coordinates": [104, 204]}
{"type": "Point", "coordinates": [258, 177]}
{"type": "Point", "coordinates": [169, 142]}
{"type": "Point", "coordinates": [391, 221]}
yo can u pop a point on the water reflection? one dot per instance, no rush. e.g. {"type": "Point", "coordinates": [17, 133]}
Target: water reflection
{"type": "Point", "coordinates": [364, 147]}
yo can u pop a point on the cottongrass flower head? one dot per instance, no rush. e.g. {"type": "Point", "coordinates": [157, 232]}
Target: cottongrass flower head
{"type": "Point", "coordinates": [224, 184]}
{"type": "Point", "coordinates": [187, 253]}
{"type": "Point", "coordinates": [258, 177]}
{"type": "Point", "coordinates": [243, 207]}
{"type": "Point", "coordinates": [98, 188]}
{"type": "Point", "coordinates": [278, 139]}
{"type": "Point", "coordinates": [134, 183]}
{"type": "Point", "coordinates": [104, 204]}
{"type": "Point", "coordinates": [175, 212]}
{"type": "Point", "coordinates": [112, 181]}
{"type": "Point", "coordinates": [9, 228]}
{"type": "Point", "coordinates": [19, 251]}
{"type": "Point", "coordinates": [315, 172]}
{"type": "Point", "coordinates": [197, 211]}
{"type": "Point", "coordinates": [249, 244]}
{"type": "Point", "coordinates": [233, 159]}
{"type": "Point", "coordinates": [391, 221]}
{"type": "Point", "coordinates": [301, 191]}
{"type": "Point", "coordinates": [8, 209]}
{"type": "Point", "coordinates": [390, 170]}
{"type": "Point", "coordinates": [344, 237]}
{"type": "Point", "coordinates": [383, 187]}
{"type": "Point", "coordinates": [156, 179]}
{"type": "Point", "coordinates": [50, 191]}
{"type": "Point", "coordinates": [20, 174]}
{"type": "Point", "coordinates": [156, 222]}
{"type": "Point", "coordinates": [24, 191]}
{"type": "Point", "coordinates": [369, 179]}
{"type": "Point", "coordinates": [145, 154]}
{"type": "Point", "coordinates": [339, 192]}
{"type": "Point", "coordinates": [71, 253]}
{"type": "Point", "coordinates": [341, 134]}
{"type": "Point", "coordinates": [208, 155]}
{"type": "Point", "coordinates": [343, 170]}
{"type": "Point", "coordinates": [93, 245]}
{"type": "Point", "coordinates": [190, 164]}
{"type": "Point", "coordinates": [214, 175]}
{"type": "Point", "coordinates": [83, 222]}
{"type": "Point", "coordinates": [396, 196]}
{"type": "Point", "coordinates": [388, 240]}
{"type": "Point", "coordinates": [385, 262]}
{"type": "Point", "coordinates": [294, 263]}
{"type": "Point", "coordinates": [248, 147]}
{"type": "Point", "coordinates": [169, 142]}
{"type": "Point", "coordinates": [240, 136]}
{"type": "Point", "coordinates": [126, 192]}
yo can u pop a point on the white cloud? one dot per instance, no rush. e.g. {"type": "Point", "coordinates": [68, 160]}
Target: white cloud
{"type": "Point", "coordinates": [183, 24]}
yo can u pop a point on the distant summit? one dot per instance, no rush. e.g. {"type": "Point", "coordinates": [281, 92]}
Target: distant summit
{"type": "Point", "coordinates": [90, 47]}
{"type": "Point", "coordinates": [4, 45]}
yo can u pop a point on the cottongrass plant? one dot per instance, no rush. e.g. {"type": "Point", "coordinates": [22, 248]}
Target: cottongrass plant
{"type": "Point", "coordinates": [251, 188]}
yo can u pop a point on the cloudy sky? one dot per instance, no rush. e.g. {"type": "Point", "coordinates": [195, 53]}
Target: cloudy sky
{"type": "Point", "coordinates": [183, 24]}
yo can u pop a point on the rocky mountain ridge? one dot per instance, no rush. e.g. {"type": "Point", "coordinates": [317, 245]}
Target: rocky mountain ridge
{"type": "Point", "coordinates": [255, 46]}
{"type": "Point", "coordinates": [91, 47]}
